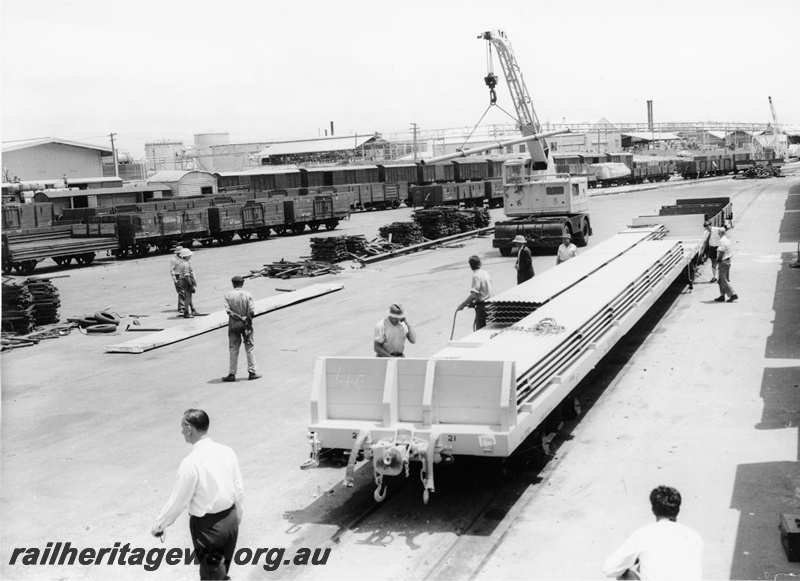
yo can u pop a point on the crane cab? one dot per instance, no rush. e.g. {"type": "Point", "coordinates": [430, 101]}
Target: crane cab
{"type": "Point", "coordinates": [526, 194]}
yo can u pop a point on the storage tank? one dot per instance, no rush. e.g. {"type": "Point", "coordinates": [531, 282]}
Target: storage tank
{"type": "Point", "coordinates": [164, 155]}
{"type": "Point", "coordinates": [203, 143]}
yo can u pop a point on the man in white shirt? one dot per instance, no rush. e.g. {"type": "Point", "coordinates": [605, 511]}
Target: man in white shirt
{"type": "Point", "coordinates": [480, 291]}
{"type": "Point", "coordinates": [663, 549]}
{"type": "Point", "coordinates": [724, 253]}
{"type": "Point", "coordinates": [391, 333]}
{"type": "Point", "coordinates": [711, 242]}
{"type": "Point", "coordinates": [209, 482]}
{"type": "Point", "coordinates": [175, 272]}
{"type": "Point", "coordinates": [567, 250]}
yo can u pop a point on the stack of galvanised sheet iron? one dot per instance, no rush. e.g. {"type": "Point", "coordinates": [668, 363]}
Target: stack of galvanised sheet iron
{"type": "Point", "coordinates": [581, 316]}
{"type": "Point", "coordinates": [28, 304]}
{"type": "Point", "coordinates": [330, 249]}
{"type": "Point", "coordinates": [518, 302]}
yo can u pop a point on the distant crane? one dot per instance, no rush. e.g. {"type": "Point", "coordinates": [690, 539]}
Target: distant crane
{"type": "Point", "coordinates": [780, 148]}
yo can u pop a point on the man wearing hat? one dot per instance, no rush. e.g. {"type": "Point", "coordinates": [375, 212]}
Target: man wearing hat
{"type": "Point", "coordinates": [524, 263]}
{"type": "Point", "coordinates": [188, 283]}
{"type": "Point", "coordinates": [391, 333]}
{"type": "Point", "coordinates": [567, 250]}
{"type": "Point", "coordinates": [174, 264]}
{"type": "Point", "coordinates": [241, 310]}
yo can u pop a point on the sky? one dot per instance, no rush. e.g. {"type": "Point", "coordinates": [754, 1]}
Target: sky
{"type": "Point", "coordinates": [284, 70]}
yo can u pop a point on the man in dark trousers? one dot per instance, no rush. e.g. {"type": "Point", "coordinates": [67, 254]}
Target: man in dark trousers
{"type": "Point", "coordinates": [241, 310]}
{"type": "Point", "coordinates": [209, 482]}
{"type": "Point", "coordinates": [524, 264]}
{"type": "Point", "coordinates": [480, 291]}
{"type": "Point", "coordinates": [188, 282]}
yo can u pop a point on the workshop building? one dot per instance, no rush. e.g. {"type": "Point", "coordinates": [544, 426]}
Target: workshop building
{"type": "Point", "coordinates": [50, 159]}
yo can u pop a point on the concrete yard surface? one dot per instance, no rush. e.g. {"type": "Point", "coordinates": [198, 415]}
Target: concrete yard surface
{"type": "Point", "coordinates": [702, 396]}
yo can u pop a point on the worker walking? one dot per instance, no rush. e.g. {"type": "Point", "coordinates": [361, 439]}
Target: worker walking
{"type": "Point", "coordinates": [663, 549]}
{"type": "Point", "coordinates": [566, 250]}
{"type": "Point", "coordinates": [724, 253]}
{"type": "Point", "coordinates": [188, 283]}
{"type": "Point", "coordinates": [174, 271]}
{"type": "Point", "coordinates": [524, 264]}
{"type": "Point", "coordinates": [391, 333]}
{"type": "Point", "coordinates": [479, 293]}
{"type": "Point", "coordinates": [241, 309]}
{"type": "Point", "coordinates": [209, 482]}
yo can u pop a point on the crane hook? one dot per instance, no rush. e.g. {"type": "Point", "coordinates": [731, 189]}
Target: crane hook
{"type": "Point", "coordinates": [491, 82]}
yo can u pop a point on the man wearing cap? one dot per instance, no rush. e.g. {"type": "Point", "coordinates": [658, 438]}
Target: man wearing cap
{"type": "Point", "coordinates": [241, 310]}
{"type": "Point", "coordinates": [391, 333]}
{"type": "Point", "coordinates": [567, 249]}
{"type": "Point", "coordinates": [524, 263]}
{"type": "Point", "coordinates": [174, 264]}
{"type": "Point", "coordinates": [188, 283]}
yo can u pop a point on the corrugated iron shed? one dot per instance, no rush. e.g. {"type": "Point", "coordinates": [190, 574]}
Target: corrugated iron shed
{"type": "Point", "coordinates": [26, 143]}
{"type": "Point", "coordinates": [316, 145]}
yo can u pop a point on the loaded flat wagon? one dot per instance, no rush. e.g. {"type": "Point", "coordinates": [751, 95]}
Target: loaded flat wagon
{"type": "Point", "coordinates": [485, 394]}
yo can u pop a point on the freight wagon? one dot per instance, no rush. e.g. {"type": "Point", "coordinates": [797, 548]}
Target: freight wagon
{"type": "Point", "coordinates": [512, 381]}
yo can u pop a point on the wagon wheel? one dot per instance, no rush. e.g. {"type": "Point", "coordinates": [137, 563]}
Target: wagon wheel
{"type": "Point", "coordinates": [25, 267]}
{"type": "Point", "coordinates": [279, 230]}
{"type": "Point", "coordinates": [141, 250]}
{"type": "Point", "coordinates": [262, 233]}
{"type": "Point", "coordinates": [85, 258]}
{"type": "Point", "coordinates": [313, 226]}
{"type": "Point", "coordinates": [226, 238]}
{"type": "Point", "coordinates": [298, 228]}
{"type": "Point", "coordinates": [331, 224]}
{"type": "Point", "coordinates": [62, 260]}
{"type": "Point", "coordinates": [7, 267]}
{"type": "Point", "coordinates": [164, 246]}
{"type": "Point", "coordinates": [123, 252]}
{"type": "Point", "coordinates": [206, 242]}
{"type": "Point", "coordinates": [245, 234]}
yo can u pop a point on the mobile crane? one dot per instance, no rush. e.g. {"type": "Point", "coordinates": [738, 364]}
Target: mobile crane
{"type": "Point", "coordinates": [541, 205]}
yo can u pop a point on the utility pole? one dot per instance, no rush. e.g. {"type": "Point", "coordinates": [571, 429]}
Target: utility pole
{"type": "Point", "coordinates": [414, 128]}
{"type": "Point", "coordinates": [114, 155]}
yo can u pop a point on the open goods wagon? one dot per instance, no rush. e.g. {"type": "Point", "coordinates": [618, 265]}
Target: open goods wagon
{"type": "Point", "coordinates": [510, 381]}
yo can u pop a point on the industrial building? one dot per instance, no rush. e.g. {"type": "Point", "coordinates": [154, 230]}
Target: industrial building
{"type": "Point", "coordinates": [51, 158]}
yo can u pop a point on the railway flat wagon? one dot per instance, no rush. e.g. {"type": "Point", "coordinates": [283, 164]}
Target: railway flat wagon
{"type": "Point", "coordinates": [30, 236]}
{"type": "Point", "coordinates": [511, 381]}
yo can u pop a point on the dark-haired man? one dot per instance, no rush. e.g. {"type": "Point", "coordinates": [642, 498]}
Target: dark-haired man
{"type": "Point", "coordinates": [209, 482]}
{"type": "Point", "coordinates": [241, 309]}
{"type": "Point", "coordinates": [480, 291]}
{"type": "Point", "coordinates": [663, 549]}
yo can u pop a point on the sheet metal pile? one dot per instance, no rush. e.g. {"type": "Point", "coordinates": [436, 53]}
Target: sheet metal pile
{"type": "Point", "coordinates": [286, 269]}
{"type": "Point", "coordinates": [520, 301]}
{"type": "Point", "coordinates": [605, 298]}
{"type": "Point", "coordinates": [338, 248]}
{"type": "Point", "coordinates": [28, 304]}
{"type": "Point", "coordinates": [403, 233]}
{"type": "Point", "coordinates": [442, 221]}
